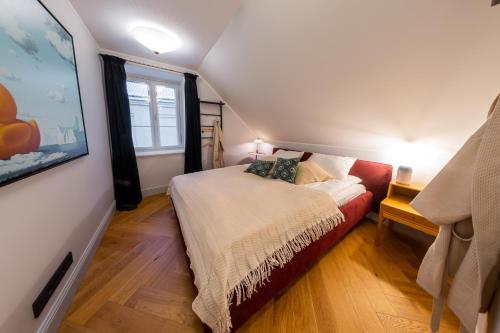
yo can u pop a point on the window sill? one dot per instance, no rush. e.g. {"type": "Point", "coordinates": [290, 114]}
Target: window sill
{"type": "Point", "coordinates": [158, 152]}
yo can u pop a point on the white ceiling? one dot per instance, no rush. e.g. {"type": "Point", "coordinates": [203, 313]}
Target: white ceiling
{"type": "Point", "coordinates": [197, 23]}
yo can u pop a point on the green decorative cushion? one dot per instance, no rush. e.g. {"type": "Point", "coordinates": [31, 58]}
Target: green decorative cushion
{"type": "Point", "coordinates": [286, 169]}
{"type": "Point", "coordinates": [260, 168]}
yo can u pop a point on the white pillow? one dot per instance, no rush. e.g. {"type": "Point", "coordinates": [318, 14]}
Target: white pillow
{"type": "Point", "coordinates": [337, 166]}
{"type": "Point", "coordinates": [288, 154]}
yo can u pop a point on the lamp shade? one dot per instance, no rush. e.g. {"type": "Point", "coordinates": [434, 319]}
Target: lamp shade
{"type": "Point", "coordinates": [158, 41]}
{"type": "Point", "coordinates": [258, 141]}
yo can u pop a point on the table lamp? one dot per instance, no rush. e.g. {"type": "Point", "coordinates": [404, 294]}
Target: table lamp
{"type": "Point", "coordinates": [404, 175]}
{"type": "Point", "coordinates": [257, 142]}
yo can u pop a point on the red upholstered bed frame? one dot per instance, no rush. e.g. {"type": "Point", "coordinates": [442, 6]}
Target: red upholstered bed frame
{"type": "Point", "coordinates": [376, 178]}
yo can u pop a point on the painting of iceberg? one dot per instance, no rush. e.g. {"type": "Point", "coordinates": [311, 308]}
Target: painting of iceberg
{"type": "Point", "coordinates": [41, 118]}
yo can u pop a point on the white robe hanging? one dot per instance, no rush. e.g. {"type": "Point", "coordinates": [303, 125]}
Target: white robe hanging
{"type": "Point", "coordinates": [218, 152]}
{"type": "Point", "coordinates": [464, 200]}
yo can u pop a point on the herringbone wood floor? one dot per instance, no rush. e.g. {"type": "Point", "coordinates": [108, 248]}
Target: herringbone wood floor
{"type": "Point", "coordinates": [139, 281]}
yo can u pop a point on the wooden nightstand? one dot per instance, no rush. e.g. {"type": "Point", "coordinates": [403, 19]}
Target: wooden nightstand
{"type": "Point", "coordinates": [396, 207]}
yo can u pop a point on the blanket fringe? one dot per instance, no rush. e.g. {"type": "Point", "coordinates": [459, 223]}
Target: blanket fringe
{"type": "Point", "coordinates": [260, 275]}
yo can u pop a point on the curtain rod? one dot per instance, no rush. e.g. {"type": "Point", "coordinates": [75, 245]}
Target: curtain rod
{"type": "Point", "coordinates": [146, 65]}
{"type": "Point", "coordinates": [153, 66]}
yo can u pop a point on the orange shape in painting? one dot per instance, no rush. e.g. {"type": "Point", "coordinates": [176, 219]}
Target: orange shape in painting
{"type": "Point", "coordinates": [16, 136]}
{"type": "Point", "coordinates": [8, 108]}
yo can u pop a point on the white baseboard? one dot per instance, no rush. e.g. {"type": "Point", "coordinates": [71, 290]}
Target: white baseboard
{"type": "Point", "coordinates": [56, 312]}
{"type": "Point", "coordinates": [146, 192]}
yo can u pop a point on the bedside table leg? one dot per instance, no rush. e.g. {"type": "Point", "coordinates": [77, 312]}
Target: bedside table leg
{"type": "Point", "coordinates": [380, 223]}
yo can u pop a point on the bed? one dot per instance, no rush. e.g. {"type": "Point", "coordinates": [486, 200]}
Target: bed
{"type": "Point", "coordinates": [374, 176]}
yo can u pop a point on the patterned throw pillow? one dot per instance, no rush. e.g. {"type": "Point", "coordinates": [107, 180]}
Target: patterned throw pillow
{"type": "Point", "coordinates": [260, 168]}
{"type": "Point", "coordinates": [286, 169]}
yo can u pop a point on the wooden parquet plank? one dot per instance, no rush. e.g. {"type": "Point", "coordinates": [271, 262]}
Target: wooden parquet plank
{"type": "Point", "coordinates": [147, 227]}
{"type": "Point", "coordinates": [148, 273]}
{"type": "Point", "coordinates": [115, 318]}
{"type": "Point", "coordinates": [68, 327]}
{"type": "Point", "coordinates": [343, 316]}
{"type": "Point", "coordinates": [419, 308]}
{"type": "Point", "coordinates": [323, 306]}
{"type": "Point", "coordinates": [294, 311]}
{"type": "Point", "coordinates": [360, 274]}
{"type": "Point", "coordinates": [93, 283]}
{"type": "Point", "coordinates": [122, 243]}
{"type": "Point", "coordinates": [98, 269]}
{"type": "Point", "coordinates": [174, 282]}
{"type": "Point", "coordinates": [366, 314]}
{"type": "Point", "coordinates": [395, 324]}
{"type": "Point", "coordinates": [261, 322]}
{"type": "Point", "coordinates": [101, 296]}
{"type": "Point", "coordinates": [165, 304]}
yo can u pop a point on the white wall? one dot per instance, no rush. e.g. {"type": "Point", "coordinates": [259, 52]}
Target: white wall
{"type": "Point", "coordinates": [46, 215]}
{"type": "Point", "coordinates": [155, 172]}
{"type": "Point", "coordinates": [397, 80]}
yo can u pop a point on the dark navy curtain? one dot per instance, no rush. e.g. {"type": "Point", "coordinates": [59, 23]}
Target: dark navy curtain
{"type": "Point", "coordinates": [125, 174]}
{"type": "Point", "coordinates": [192, 152]}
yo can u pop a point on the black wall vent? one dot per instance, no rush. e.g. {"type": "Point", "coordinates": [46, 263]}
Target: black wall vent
{"type": "Point", "coordinates": [51, 286]}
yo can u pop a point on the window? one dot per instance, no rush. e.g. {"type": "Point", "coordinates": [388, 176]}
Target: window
{"type": "Point", "coordinates": [155, 114]}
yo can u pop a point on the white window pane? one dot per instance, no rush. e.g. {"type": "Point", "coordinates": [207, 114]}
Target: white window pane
{"type": "Point", "coordinates": [167, 119]}
{"type": "Point", "coordinates": [167, 115]}
{"type": "Point", "coordinates": [140, 115]}
{"type": "Point", "coordinates": [151, 130]}
{"type": "Point", "coordinates": [142, 137]}
{"type": "Point", "coordinates": [163, 92]}
{"type": "Point", "coordinates": [169, 136]}
{"type": "Point", "coordinates": [138, 90]}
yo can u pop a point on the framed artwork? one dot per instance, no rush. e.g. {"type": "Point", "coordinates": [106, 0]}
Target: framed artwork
{"type": "Point", "coordinates": [41, 118]}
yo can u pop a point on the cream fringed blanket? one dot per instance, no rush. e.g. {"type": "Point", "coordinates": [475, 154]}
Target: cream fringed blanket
{"type": "Point", "coordinates": [238, 227]}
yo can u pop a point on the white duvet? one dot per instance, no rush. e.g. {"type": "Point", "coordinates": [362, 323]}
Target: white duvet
{"type": "Point", "coordinates": [342, 191]}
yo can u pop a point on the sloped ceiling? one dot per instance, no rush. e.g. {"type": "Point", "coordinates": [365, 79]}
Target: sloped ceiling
{"type": "Point", "coordinates": [198, 24]}
{"type": "Point", "coordinates": [352, 73]}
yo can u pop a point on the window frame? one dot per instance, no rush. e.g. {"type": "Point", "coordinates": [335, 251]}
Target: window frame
{"type": "Point", "coordinates": [157, 149]}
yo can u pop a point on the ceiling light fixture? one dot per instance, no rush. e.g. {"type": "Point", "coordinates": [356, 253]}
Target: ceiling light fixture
{"type": "Point", "coordinates": [156, 39]}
